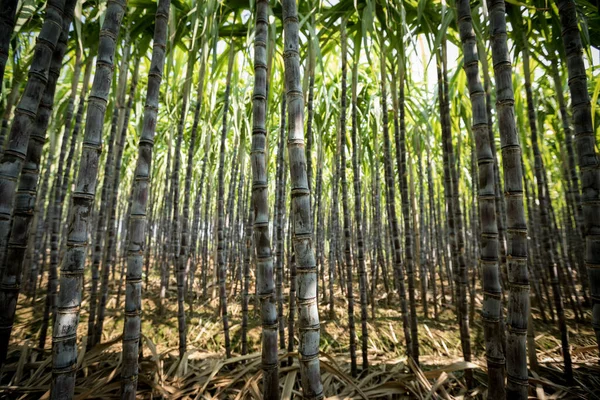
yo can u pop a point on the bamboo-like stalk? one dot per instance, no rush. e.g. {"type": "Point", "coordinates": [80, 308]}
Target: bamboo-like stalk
{"type": "Point", "coordinates": [486, 198]}
{"type": "Point", "coordinates": [221, 255]}
{"type": "Point", "coordinates": [360, 258]}
{"type": "Point", "coordinates": [474, 240]}
{"type": "Point", "coordinates": [246, 272]}
{"type": "Point", "coordinates": [292, 274]}
{"type": "Point", "coordinates": [574, 193]}
{"type": "Point", "coordinates": [15, 150]}
{"type": "Point", "coordinates": [331, 256]}
{"type": "Point", "coordinates": [205, 258]}
{"type": "Point", "coordinates": [166, 213]}
{"type": "Point", "coordinates": [262, 245]}
{"type": "Point", "coordinates": [236, 218]}
{"type": "Point", "coordinates": [150, 234]}
{"type": "Point", "coordinates": [346, 209]}
{"type": "Point", "coordinates": [229, 208]}
{"type": "Point", "coordinates": [447, 177]}
{"type": "Point", "coordinates": [136, 233]}
{"type": "Point", "coordinates": [11, 270]}
{"type": "Point", "coordinates": [516, 226]}
{"type": "Point", "coordinates": [434, 250]}
{"type": "Point", "coordinates": [197, 201]}
{"type": "Point", "coordinates": [398, 102]}
{"type": "Point", "coordinates": [310, 106]}
{"type": "Point", "coordinates": [320, 224]}
{"type": "Point", "coordinates": [421, 240]}
{"type": "Point", "coordinates": [308, 323]}
{"type": "Point", "coordinates": [378, 258]}
{"type": "Point", "coordinates": [179, 244]}
{"type": "Point", "coordinates": [279, 221]}
{"type": "Point", "coordinates": [333, 231]}
{"type": "Point", "coordinates": [64, 337]}
{"type": "Point", "coordinates": [587, 157]}
{"type": "Point", "coordinates": [500, 203]}
{"type": "Point", "coordinates": [119, 252]}
{"type": "Point", "coordinates": [390, 194]}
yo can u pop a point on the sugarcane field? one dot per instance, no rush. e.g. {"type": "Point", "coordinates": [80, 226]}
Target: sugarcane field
{"type": "Point", "coordinates": [314, 199]}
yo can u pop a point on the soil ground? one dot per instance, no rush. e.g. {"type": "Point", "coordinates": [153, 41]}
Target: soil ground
{"type": "Point", "coordinates": [204, 373]}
